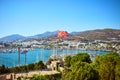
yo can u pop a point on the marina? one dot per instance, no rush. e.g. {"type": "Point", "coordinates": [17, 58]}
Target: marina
{"type": "Point", "coordinates": [34, 55]}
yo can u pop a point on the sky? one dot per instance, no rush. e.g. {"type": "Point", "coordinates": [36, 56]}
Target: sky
{"type": "Point", "coordinates": [31, 17]}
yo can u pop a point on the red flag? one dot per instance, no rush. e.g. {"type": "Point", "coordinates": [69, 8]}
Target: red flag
{"type": "Point", "coordinates": [62, 34]}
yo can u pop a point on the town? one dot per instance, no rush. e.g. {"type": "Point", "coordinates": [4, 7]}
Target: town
{"type": "Point", "coordinates": [99, 45]}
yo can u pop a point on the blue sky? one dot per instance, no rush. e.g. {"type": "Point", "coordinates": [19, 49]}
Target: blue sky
{"type": "Point", "coordinates": [30, 17]}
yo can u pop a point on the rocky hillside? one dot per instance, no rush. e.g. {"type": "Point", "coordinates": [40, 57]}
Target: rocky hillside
{"type": "Point", "coordinates": [103, 34]}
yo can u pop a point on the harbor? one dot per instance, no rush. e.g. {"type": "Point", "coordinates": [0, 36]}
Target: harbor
{"type": "Point", "coordinates": [36, 54]}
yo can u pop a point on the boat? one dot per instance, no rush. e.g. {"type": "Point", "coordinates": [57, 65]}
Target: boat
{"type": "Point", "coordinates": [24, 51]}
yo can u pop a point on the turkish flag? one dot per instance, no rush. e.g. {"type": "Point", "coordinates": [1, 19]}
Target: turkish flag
{"type": "Point", "coordinates": [62, 34]}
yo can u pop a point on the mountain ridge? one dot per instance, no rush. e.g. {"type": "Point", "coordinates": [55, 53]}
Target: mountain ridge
{"type": "Point", "coordinates": [11, 37]}
{"type": "Point", "coordinates": [101, 34]}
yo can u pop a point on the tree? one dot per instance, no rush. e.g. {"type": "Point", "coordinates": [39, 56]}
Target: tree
{"type": "Point", "coordinates": [81, 68]}
{"type": "Point", "coordinates": [81, 71]}
{"type": "Point", "coordinates": [117, 70]}
{"type": "Point", "coordinates": [108, 66]}
{"type": "Point", "coordinates": [38, 77]}
{"type": "Point", "coordinates": [82, 57]}
{"type": "Point", "coordinates": [2, 69]}
{"type": "Point", "coordinates": [31, 66]}
{"type": "Point", "coordinates": [39, 66]}
{"type": "Point", "coordinates": [67, 61]}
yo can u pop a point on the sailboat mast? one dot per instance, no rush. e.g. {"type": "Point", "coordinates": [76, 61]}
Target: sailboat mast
{"type": "Point", "coordinates": [18, 56]}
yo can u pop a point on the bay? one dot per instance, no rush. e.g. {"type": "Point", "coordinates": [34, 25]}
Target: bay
{"type": "Point", "coordinates": [33, 56]}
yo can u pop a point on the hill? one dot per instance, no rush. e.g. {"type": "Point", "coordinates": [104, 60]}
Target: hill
{"type": "Point", "coordinates": [45, 34]}
{"type": "Point", "coordinates": [103, 34]}
{"type": "Point", "coordinates": [12, 38]}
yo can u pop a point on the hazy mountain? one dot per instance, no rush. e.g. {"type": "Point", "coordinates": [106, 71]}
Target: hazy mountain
{"type": "Point", "coordinates": [19, 37]}
{"type": "Point", "coordinates": [44, 34]}
{"type": "Point", "coordinates": [12, 38]}
{"type": "Point", "coordinates": [74, 33]}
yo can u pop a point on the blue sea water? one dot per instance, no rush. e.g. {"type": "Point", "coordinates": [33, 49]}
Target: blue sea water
{"type": "Point", "coordinates": [11, 59]}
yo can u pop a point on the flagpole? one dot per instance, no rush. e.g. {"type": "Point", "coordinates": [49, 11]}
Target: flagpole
{"type": "Point", "coordinates": [62, 34]}
{"type": "Point", "coordinates": [67, 51]}
{"type": "Point", "coordinates": [56, 49]}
